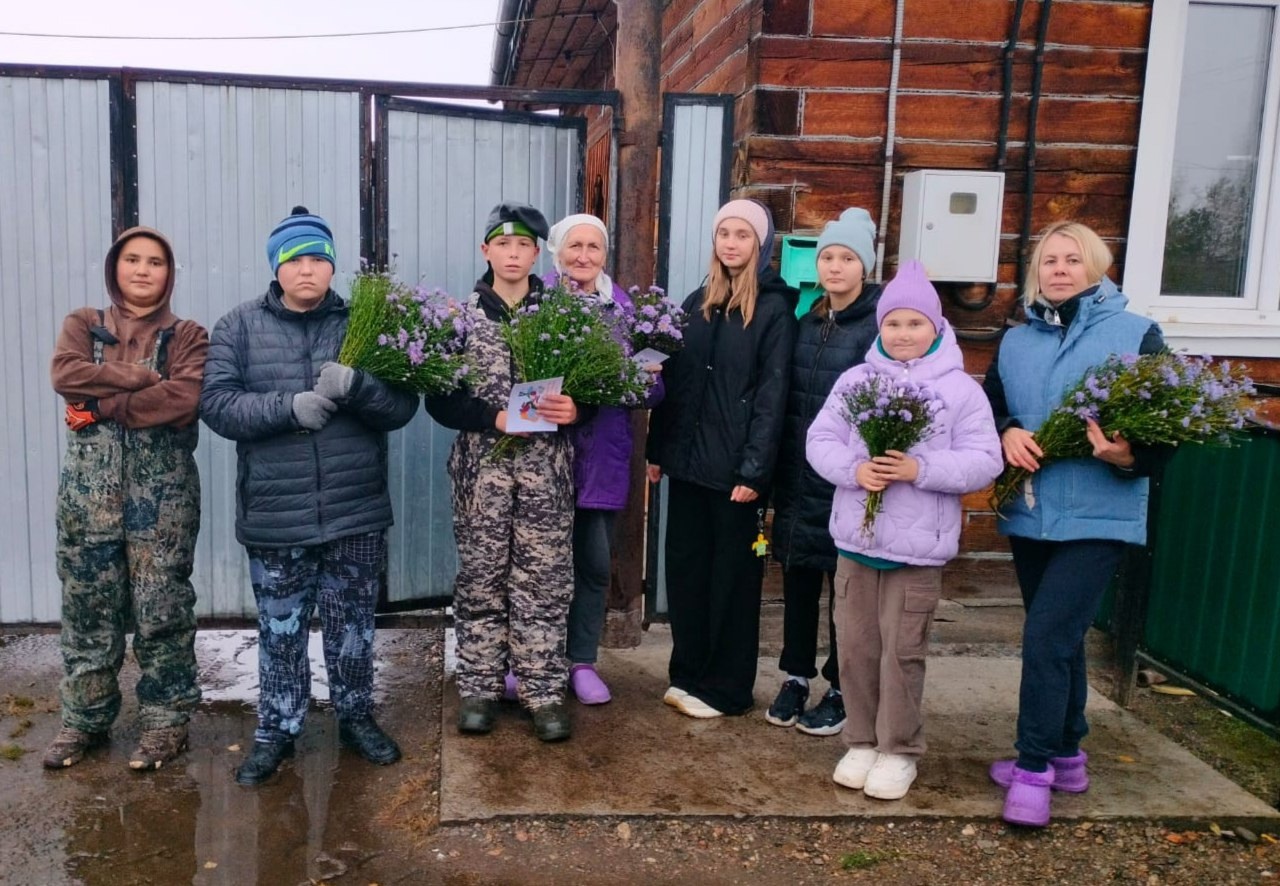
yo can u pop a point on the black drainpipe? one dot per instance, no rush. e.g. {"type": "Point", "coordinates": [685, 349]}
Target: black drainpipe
{"type": "Point", "coordinates": [1037, 73]}
{"type": "Point", "coordinates": [1002, 157]}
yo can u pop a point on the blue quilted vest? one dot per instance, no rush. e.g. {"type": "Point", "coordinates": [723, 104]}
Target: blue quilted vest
{"type": "Point", "coordinates": [1075, 498]}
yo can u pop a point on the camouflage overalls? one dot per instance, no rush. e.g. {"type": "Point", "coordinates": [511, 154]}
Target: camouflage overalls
{"type": "Point", "coordinates": [128, 515]}
{"type": "Point", "coordinates": [513, 521]}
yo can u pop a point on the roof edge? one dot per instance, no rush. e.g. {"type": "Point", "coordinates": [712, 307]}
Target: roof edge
{"type": "Point", "coordinates": [506, 34]}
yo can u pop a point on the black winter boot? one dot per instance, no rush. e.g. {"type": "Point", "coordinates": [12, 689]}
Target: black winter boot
{"type": "Point", "coordinates": [367, 739]}
{"type": "Point", "coordinates": [263, 761]}
{"type": "Point", "coordinates": [477, 715]}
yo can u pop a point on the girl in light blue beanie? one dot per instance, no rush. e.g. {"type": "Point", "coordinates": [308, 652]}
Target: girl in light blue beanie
{"type": "Point", "coordinates": [834, 335]}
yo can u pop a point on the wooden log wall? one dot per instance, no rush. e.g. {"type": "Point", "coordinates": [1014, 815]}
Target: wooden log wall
{"type": "Point", "coordinates": [811, 81]}
{"type": "Point", "coordinates": [822, 105]}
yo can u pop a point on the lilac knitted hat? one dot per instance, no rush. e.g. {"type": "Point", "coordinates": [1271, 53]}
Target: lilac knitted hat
{"type": "Point", "coordinates": [910, 288]}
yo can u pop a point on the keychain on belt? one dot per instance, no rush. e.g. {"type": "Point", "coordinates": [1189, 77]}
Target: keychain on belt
{"type": "Point", "coordinates": [761, 544]}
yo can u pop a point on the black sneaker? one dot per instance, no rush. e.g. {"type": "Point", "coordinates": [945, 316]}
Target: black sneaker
{"type": "Point", "coordinates": [367, 739]}
{"type": "Point", "coordinates": [263, 761]}
{"type": "Point", "coordinates": [824, 718]}
{"type": "Point", "coordinates": [789, 705]}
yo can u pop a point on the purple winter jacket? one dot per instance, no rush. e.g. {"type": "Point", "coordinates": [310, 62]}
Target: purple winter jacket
{"type": "Point", "coordinates": [919, 523]}
{"type": "Point", "coordinates": [602, 446]}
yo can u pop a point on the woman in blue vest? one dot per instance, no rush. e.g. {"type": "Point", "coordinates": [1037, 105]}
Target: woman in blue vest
{"type": "Point", "coordinates": [1069, 523]}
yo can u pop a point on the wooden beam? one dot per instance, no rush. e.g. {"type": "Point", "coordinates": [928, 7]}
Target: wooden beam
{"type": "Point", "coordinates": [639, 47]}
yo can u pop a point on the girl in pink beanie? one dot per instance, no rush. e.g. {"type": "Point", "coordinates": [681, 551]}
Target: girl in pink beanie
{"type": "Point", "coordinates": [716, 437]}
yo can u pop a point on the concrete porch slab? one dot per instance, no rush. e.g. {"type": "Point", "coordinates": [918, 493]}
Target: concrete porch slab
{"type": "Point", "coordinates": [635, 756]}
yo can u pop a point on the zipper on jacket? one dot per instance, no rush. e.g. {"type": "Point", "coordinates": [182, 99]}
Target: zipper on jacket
{"type": "Point", "coordinates": [828, 326]}
{"type": "Point", "coordinates": [315, 447]}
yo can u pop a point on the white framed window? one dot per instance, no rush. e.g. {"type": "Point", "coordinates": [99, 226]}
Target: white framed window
{"type": "Point", "coordinates": [1203, 256]}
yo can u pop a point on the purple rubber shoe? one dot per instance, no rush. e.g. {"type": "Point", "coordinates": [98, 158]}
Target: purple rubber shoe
{"type": "Point", "coordinates": [511, 687]}
{"type": "Point", "coordinates": [587, 685]}
{"type": "Point", "coordinates": [1027, 801]}
{"type": "Point", "coordinates": [1070, 774]}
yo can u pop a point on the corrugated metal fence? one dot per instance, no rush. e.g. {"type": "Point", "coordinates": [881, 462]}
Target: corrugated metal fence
{"type": "Point", "coordinates": [215, 162]}
{"type": "Point", "coordinates": [55, 227]}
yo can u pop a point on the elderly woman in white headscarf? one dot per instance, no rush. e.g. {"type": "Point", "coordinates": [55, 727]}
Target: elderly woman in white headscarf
{"type": "Point", "coordinates": [579, 246]}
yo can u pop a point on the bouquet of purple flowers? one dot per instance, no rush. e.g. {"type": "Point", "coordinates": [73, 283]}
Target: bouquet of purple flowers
{"type": "Point", "coordinates": [564, 334]}
{"type": "Point", "coordinates": [411, 338]}
{"type": "Point", "coordinates": [657, 323]}
{"type": "Point", "coordinates": [1155, 399]}
{"type": "Point", "coordinates": [887, 415]}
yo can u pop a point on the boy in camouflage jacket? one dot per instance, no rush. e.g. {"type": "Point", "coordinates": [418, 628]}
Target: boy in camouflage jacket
{"type": "Point", "coordinates": [512, 514]}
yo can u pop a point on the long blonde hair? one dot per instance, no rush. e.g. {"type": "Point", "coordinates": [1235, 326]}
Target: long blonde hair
{"type": "Point", "coordinates": [1095, 254]}
{"type": "Point", "coordinates": [733, 292]}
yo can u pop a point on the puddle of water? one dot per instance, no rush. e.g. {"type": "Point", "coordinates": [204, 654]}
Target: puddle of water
{"type": "Point", "coordinates": [100, 824]}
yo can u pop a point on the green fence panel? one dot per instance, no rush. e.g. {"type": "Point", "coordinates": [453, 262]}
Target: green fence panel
{"type": "Point", "coordinates": [1214, 606]}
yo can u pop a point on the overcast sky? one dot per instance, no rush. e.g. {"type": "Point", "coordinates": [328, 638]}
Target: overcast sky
{"type": "Point", "coordinates": [457, 55]}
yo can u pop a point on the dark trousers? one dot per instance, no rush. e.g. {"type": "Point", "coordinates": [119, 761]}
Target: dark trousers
{"type": "Point", "coordinates": [592, 535]}
{"type": "Point", "coordinates": [341, 580]}
{"type": "Point", "coordinates": [713, 593]}
{"type": "Point", "coordinates": [1062, 584]}
{"type": "Point", "coordinates": [802, 604]}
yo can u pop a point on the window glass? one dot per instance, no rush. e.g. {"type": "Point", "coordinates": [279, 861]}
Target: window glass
{"type": "Point", "coordinates": [1215, 156]}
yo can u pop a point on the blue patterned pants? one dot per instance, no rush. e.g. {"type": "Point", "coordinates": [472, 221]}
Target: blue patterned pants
{"type": "Point", "coordinates": [341, 579]}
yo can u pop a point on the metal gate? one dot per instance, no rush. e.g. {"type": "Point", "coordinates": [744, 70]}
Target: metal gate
{"type": "Point", "coordinates": [445, 168]}
{"type": "Point", "coordinates": [697, 151]}
{"type": "Point", "coordinates": [215, 161]}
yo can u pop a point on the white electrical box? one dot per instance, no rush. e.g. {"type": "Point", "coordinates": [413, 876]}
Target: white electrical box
{"type": "Point", "coordinates": [951, 223]}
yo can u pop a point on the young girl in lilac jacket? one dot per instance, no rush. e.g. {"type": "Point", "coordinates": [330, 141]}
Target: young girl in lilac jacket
{"type": "Point", "coordinates": [888, 581]}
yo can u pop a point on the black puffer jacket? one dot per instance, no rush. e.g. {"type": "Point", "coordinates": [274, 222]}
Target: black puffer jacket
{"type": "Point", "coordinates": [296, 487]}
{"type": "Point", "coordinates": [826, 345]}
{"type": "Point", "coordinates": [727, 392]}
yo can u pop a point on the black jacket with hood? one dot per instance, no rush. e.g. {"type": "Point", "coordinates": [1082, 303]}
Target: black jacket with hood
{"type": "Point", "coordinates": [298, 488]}
{"type": "Point", "coordinates": [827, 344]}
{"type": "Point", "coordinates": [722, 417]}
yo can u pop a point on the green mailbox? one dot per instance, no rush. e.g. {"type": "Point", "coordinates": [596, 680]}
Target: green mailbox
{"type": "Point", "coordinates": [800, 269]}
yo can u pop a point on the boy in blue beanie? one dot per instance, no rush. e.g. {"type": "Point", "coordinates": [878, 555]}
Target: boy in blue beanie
{"type": "Point", "coordinates": [312, 507]}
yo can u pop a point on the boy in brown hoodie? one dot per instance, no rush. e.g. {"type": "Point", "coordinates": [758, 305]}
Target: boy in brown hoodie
{"type": "Point", "coordinates": [129, 506]}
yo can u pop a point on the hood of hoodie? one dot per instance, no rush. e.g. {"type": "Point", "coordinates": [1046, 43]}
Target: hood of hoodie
{"type": "Point", "coordinates": [771, 284]}
{"type": "Point", "coordinates": [161, 310]}
{"type": "Point", "coordinates": [766, 248]}
{"type": "Point", "coordinates": [946, 358]}
{"type": "Point", "coordinates": [136, 334]}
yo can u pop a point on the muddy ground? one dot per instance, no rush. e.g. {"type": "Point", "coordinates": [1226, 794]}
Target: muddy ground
{"type": "Point", "coordinates": [331, 818]}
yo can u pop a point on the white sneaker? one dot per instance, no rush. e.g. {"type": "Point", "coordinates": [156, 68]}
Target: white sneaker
{"type": "Point", "coordinates": [692, 706]}
{"type": "Point", "coordinates": [853, 767]}
{"type": "Point", "coordinates": [673, 696]}
{"type": "Point", "coordinates": [891, 777]}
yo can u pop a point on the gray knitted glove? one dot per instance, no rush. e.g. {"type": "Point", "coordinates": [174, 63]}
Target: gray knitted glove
{"type": "Point", "coordinates": [311, 410]}
{"type": "Point", "coordinates": [335, 381]}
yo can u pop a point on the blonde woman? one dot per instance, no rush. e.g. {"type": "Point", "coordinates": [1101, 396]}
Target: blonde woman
{"type": "Point", "coordinates": [1069, 527]}
{"type": "Point", "coordinates": [716, 437]}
